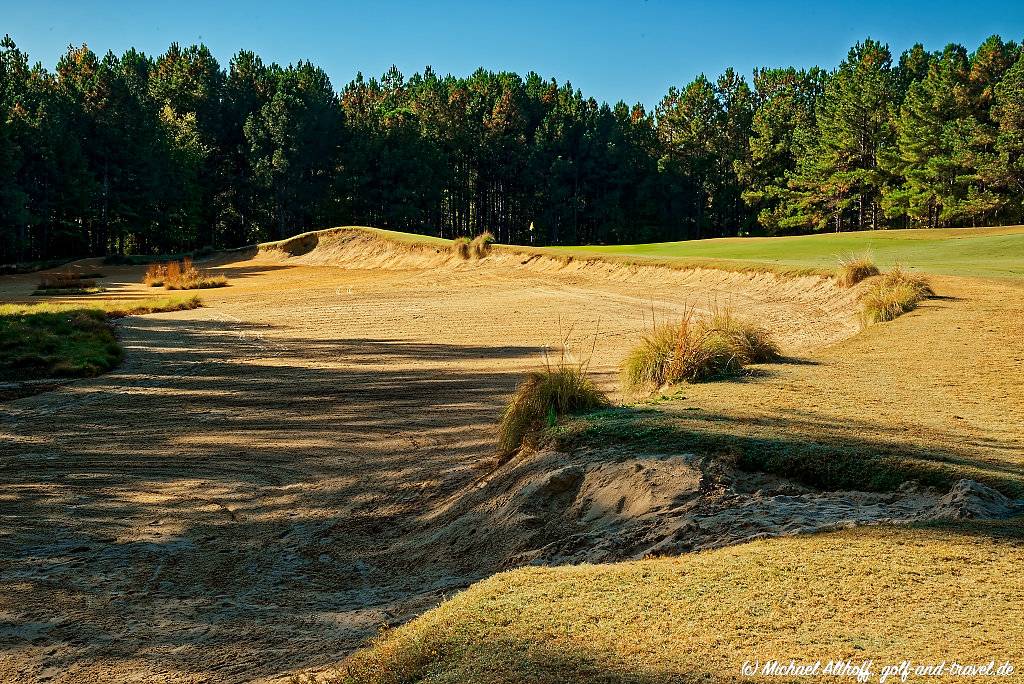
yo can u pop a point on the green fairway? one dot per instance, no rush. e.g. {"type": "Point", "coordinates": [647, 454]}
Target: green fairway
{"type": "Point", "coordinates": [991, 252]}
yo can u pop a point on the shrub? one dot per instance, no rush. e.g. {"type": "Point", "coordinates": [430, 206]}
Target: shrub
{"type": "Point", "coordinates": [461, 247]}
{"type": "Point", "coordinates": [690, 350]}
{"type": "Point", "coordinates": [855, 268]}
{"type": "Point", "coordinates": [896, 293]}
{"type": "Point", "coordinates": [480, 246]}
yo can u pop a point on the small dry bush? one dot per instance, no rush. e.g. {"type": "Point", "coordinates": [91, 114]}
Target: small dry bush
{"type": "Point", "coordinates": [687, 350]}
{"type": "Point", "coordinates": [155, 276]}
{"type": "Point", "coordinates": [855, 268]}
{"type": "Point", "coordinates": [461, 247]}
{"type": "Point", "coordinates": [546, 395]}
{"type": "Point", "coordinates": [896, 293]}
{"type": "Point", "coordinates": [480, 246]}
{"type": "Point", "coordinates": [183, 276]}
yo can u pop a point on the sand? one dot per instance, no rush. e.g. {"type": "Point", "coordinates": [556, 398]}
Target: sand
{"type": "Point", "coordinates": [267, 481]}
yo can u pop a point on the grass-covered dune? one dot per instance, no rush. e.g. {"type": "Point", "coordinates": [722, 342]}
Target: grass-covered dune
{"type": "Point", "coordinates": [927, 594]}
{"type": "Point", "coordinates": [984, 252]}
{"type": "Point", "coordinates": [987, 252]}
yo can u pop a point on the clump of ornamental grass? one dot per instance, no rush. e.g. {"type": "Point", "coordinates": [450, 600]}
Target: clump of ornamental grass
{"type": "Point", "coordinates": [694, 349]}
{"type": "Point", "coordinates": [480, 246]}
{"type": "Point", "coordinates": [67, 283]}
{"type": "Point", "coordinates": [750, 342]}
{"type": "Point", "coordinates": [183, 275]}
{"type": "Point", "coordinates": [685, 351]}
{"type": "Point", "coordinates": [461, 247]}
{"type": "Point", "coordinates": [896, 293]}
{"type": "Point", "coordinates": [544, 396]}
{"type": "Point", "coordinates": [155, 276]}
{"type": "Point", "coordinates": [855, 268]}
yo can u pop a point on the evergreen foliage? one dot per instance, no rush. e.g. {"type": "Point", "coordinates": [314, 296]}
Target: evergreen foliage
{"type": "Point", "coordinates": [140, 154]}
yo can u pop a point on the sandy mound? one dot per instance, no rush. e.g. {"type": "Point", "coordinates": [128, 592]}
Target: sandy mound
{"type": "Point", "coordinates": [809, 310]}
{"type": "Point", "coordinates": [610, 505]}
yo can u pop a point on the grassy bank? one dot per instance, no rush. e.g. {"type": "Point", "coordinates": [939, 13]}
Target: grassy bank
{"type": "Point", "coordinates": [68, 340]}
{"type": "Point", "coordinates": [808, 454]}
{"type": "Point", "coordinates": [987, 252]}
{"type": "Point", "coordinates": [884, 594]}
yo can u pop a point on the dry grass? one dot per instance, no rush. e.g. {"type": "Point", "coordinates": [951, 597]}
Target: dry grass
{"type": "Point", "coordinates": [750, 342]}
{"type": "Point", "coordinates": [924, 594]}
{"type": "Point", "coordinates": [559, 389]}
{"type": "Point", "coordinates": [461, 247]}
{"type": "Point", "coordinates": [67, 283]}
{"type": "Point", "coordinates": [155, 275]}
{"type": "Point", "coordinates": [896, 293]}
{"type": "Point", "coordinates": [480, 246]}
{"type": "Point", "coordinates": [148, 306]}
{"type": "Point", "coordinates": [694, 349]}
{"type": "Point", "coordinates": [855, 268]}
{"type": "Point", "coordinates": [68, 340]}
{"type": "Point", "coordinates": [64, 281]}
{"type": "Point", "coordinates": [183, 275]}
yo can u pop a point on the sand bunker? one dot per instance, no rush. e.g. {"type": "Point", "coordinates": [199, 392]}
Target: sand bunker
{"type": "Point", "coordinates": [610, 505]}
{"type": "Point", "coordinates": [267, 481]}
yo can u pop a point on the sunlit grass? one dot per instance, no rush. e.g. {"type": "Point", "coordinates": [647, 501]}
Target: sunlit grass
{"type": "Point", "coordinates": [883, 594]}
{"type": "Point", "coordinates": [895, 293]}
{"type": "Point", "coordinates": [855, 268]}
{"type": "Point", "coordinates": [183, 275]}
{"type": "Point", "coordinates": [695, 348]}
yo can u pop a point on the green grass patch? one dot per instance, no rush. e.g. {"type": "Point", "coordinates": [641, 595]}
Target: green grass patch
{"type": "Point", "coordinates": [988, 252]}
{"type": "Point", "coordinates": [52, 340]}
{"type": "Point", "coordinates": [77, 342]}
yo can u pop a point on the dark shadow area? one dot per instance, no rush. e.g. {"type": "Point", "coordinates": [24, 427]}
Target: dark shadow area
{"type": "Point", "coordinates": [225, 476]}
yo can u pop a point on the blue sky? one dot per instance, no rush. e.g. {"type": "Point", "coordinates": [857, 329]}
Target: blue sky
{"type": "Point", "coordinates": [626, 49]}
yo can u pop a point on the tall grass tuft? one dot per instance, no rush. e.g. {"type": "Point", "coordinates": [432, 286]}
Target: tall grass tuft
{"type": "Point", "coordinates": [694, 349]}
{"type": "Point", "coordinates": [155, 276]}
{"type": "Point", "coordinates": [855, 268]}
{"type": "Point", "coordinates": [687, 350]}
{"type": "Point", "coordinates": [896, 293]}
{"type": "Point", "coordinates": [183, 275]}
{"type": "Point", "coordinates": [750, 342]}
{"type": "Point", "coordinates": [544, 396]}
{"type": "Point", "coordinates": [461, 247]}
{"type": "Point", "coordinates": [480, 246]}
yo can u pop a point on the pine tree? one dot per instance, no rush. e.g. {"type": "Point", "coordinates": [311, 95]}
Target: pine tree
{"type": "Point", "coordinates": [839, 181]}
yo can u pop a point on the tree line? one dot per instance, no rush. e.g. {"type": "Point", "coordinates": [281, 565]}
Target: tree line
{"type": "Point", "coordinates": [141, 154]}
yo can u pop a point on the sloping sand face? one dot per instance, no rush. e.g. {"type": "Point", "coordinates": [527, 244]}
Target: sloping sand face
{"type": "Point", "coordinates": [236, 501]}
